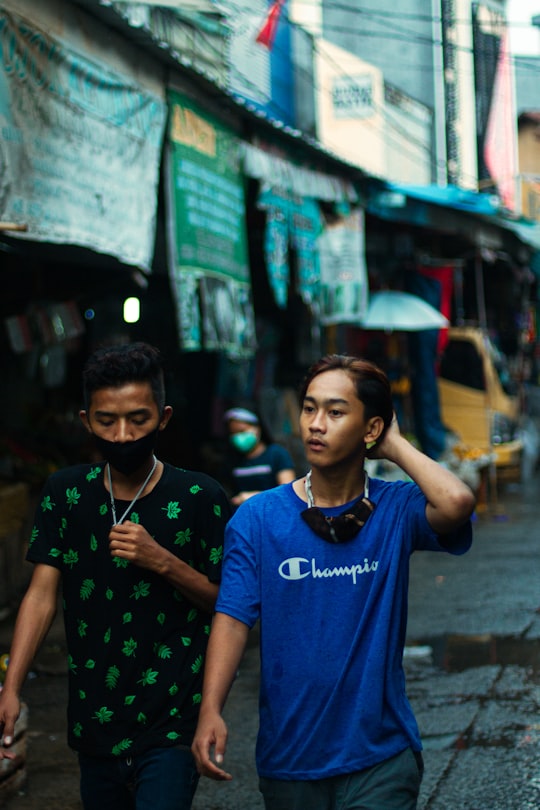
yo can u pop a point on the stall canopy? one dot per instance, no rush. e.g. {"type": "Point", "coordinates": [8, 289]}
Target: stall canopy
{"type": "Point", "coordinates": [443, 208]}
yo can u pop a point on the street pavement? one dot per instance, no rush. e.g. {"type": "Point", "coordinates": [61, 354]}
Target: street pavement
{"type": "Point", "coordinates": [473, 677]}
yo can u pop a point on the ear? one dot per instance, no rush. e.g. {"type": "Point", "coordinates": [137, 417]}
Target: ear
{"type": "Point", "coordinates": [375, 428]}
{"type": "Point", "coordinates": [84, 419]}
{"type": "Point", "coordinates": [165, 417]}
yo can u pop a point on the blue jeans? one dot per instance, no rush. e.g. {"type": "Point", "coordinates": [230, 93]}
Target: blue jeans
{"type": "Point", "coordinates": [159, 779]}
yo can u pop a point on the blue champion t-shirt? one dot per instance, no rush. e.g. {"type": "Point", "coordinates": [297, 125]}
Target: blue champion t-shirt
{"type": "Point", "coordinates": [333, 625]}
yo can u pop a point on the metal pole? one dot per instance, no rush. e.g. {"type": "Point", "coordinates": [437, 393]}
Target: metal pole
{"type": "Point", "coordinates": [441, 173]}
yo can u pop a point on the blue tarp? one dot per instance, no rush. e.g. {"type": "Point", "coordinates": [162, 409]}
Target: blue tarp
{"type": "Point", "coordinates": [400, 202]}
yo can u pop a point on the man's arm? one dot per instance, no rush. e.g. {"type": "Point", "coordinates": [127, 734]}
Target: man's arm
{"type": "Point", "coordinates": [34, 619]}
{"type": "Point", "coordinates": [226, 646]}
{"type": "Point", "coordinates": [132, 542]}
{"type": "Point", "coordinates": [450, 502]}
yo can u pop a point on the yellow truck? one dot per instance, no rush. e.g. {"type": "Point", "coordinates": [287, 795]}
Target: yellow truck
{"type": "Point", "coordinates": [477, 399]}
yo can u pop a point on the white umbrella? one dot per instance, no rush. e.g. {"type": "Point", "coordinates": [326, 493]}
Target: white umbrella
{"type": "Point", "coordinates": [391, 310]}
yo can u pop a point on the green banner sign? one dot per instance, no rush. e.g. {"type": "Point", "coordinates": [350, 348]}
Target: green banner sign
{"type": "Point", "coordinates": [209, 264]}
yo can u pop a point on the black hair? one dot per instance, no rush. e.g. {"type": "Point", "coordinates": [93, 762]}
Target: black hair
{"type": "Point", "coordinates": [371, 383]}
{"type": "Point", "coordinates": [114, 366]}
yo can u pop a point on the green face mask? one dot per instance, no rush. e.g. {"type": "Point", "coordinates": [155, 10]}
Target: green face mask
{"type": "Point", "coordinates": [245, 441]}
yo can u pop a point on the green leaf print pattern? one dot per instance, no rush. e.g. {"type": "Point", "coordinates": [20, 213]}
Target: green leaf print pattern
{"type": "Point", "coordinates": [142, 589]}
{"type": "Point", "coordinates": [128, 648]}
{"type": "Point", "coordinates": [72, 497]}
{"type": "Point", "coordinates": [71, 558]}
{"type": "Point", "coordinates": [183, 537]}
{"type": "Point", "coordinates": [197, 664]}
{"type": "Point", "coordinates": [87, 587]}
{"type": "Point", "coordinates": [104, 715]}
{"type": "Point", "coordinates": [172, 509]}
{"type": "Point", "coordinates": [46, 504]}
{"type": "Point", "coordinates": [111, 678]}
{"type": "Point", "coordinates": [149, 677]}
{"type": "Point", "coordinates": [163, 651]}
{"type": "Point", "coordinates": [130, 645]}
{"type": "Point", "coordinates": [121, 747]}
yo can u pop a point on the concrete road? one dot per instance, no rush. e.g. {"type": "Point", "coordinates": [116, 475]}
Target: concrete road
{"type": "Point", "coordinates": [473, 674]}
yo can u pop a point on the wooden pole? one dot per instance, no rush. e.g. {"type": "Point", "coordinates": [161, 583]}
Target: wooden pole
{"type": "Point", "coordinates": [13, 226]}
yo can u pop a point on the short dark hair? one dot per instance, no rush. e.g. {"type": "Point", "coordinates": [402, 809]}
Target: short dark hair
{"type": "Point", "coordinates": [114, 366]}
{"type": "Point", "coordinates": [371, 383]}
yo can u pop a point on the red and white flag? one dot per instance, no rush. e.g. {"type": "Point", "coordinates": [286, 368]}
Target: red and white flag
{"type": "Point", "coordinates": [267, 34]}
{"type": "Point", "coordinates": [501, 134]}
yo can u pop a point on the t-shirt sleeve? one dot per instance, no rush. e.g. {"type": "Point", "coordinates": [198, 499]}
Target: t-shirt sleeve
{"type": "Point", "coordinates": [45, 543]}
{"type": "Point", "coordinates": [426, 539]}
{"type": "Point", "coordinates": [239, 594]}
{"type": "Point", "coordinates": [217, 511]}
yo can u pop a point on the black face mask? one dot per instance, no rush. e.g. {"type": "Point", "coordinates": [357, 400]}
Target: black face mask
{"type": "Point", "coordinates": [343, 527]}
{"type": "Point", "coordinates": [127, 457]}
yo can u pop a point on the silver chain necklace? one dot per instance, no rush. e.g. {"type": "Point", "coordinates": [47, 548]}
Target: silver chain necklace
{"type": "Point", "coordinates": [113, 506]}
{"type": "Point", "coordinates": [309, 493]}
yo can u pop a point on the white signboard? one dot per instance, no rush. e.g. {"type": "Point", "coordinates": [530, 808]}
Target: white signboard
{"type": "Point", "coordinates": [79, 147]}
{"type": "Point", "coordinates": [344, 282]}
{"type": "Point", "coordinates": [352, 96]}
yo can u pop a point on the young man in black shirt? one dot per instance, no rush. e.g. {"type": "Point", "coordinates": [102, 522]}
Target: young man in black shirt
{"type": "Point", "coordinates": [136, 546]}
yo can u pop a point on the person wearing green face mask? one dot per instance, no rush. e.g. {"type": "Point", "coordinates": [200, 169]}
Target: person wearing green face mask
{"type": "Point", "coordinates": [256, 462]}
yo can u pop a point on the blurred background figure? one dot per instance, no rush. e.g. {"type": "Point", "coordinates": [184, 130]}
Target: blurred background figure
{"type": "Point", "coordinates": [254, 461]}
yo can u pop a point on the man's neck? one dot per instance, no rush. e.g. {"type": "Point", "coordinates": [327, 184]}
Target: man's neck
{"type": "Point", "coordinates": [126, 485]}
{"type": "Point", "coordinates": [334, 488]}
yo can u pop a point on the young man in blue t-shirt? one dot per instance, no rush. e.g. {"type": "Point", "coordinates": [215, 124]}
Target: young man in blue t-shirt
{"type": "Point", "coordinates": [323, 564]}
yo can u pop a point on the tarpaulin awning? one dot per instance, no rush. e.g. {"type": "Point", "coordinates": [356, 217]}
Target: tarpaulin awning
{"type": "Point", "coordinates": [421, 205]}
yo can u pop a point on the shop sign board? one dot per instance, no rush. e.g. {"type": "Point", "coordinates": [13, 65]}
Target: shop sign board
{"type": "Point", "coordinates": [344, 281]}
{"type": "Point", "coordinates": [352, 96]}
{"type": "Point", "coordinates": [79, 147]}
{"type": "Point", "coordinates": [208, 257]}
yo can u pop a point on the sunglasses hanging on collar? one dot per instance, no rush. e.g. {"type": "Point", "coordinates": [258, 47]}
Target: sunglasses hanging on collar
{"type": "Point", "coordinates": [343, 527]}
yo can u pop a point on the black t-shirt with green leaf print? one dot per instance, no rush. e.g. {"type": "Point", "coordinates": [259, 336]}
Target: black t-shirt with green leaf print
{"type": "Point", "coordinates": [136, 646]}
